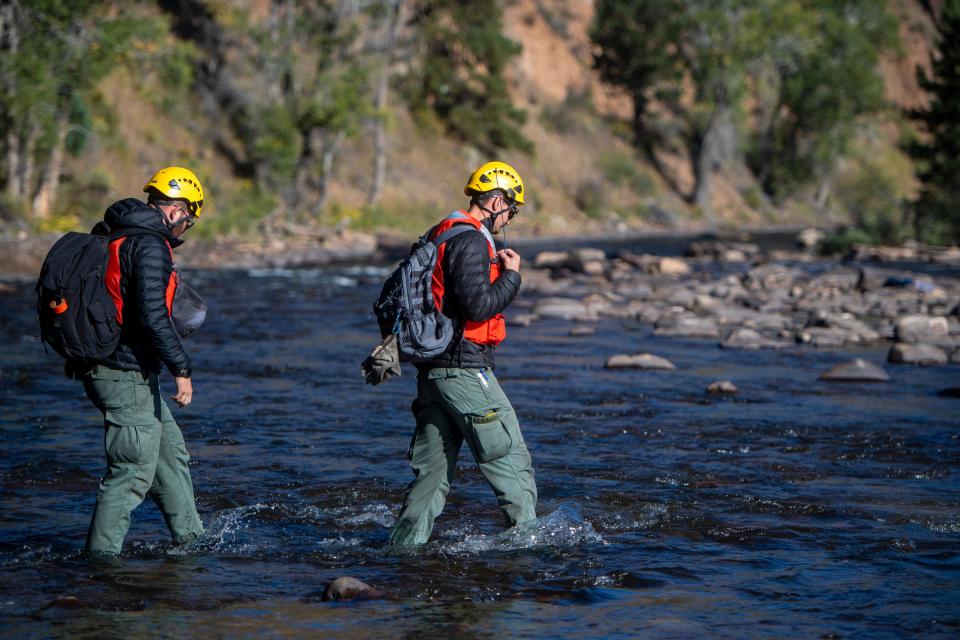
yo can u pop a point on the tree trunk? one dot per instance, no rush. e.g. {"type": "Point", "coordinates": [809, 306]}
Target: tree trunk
{"type": "Point", "coordinates": [46, 193]}
{"type": "Point", "coordinates": [394, 21]}
{"type": "Point", "coordinates": [329, 153]}
{"type": "Point", "coordinates": [13, 165]}
{"type": "Point", "coordinates": [28, 162]}
{"type": "Point", "coordinates": [715, 149]}
{"type": "Point", "coordinates": [379, 140]}
{"type": "Point", "coordinates": [9, 45]}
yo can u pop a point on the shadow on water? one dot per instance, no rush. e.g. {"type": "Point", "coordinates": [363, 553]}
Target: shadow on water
{"type": "Point", "coordinates": [797, 508]}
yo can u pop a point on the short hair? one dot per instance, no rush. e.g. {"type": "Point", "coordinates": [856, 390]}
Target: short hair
{"type": "Point", "coordinates": [489, 195]}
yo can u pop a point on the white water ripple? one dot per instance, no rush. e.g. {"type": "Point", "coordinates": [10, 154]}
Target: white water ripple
{"type": "Point", "coordinates": [564, 527]}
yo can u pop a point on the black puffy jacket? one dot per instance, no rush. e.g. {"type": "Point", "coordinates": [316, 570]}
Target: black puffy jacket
{"type": "Point", "coordinates": [469, 295]}
{"type": "Point", "coordinates": [147, 339]}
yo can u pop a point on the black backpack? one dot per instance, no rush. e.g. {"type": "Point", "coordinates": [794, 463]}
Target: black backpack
{"type": "Point", "coordinates": [406, 307]}
{"type": "Point", "coordinates": [76, 312]}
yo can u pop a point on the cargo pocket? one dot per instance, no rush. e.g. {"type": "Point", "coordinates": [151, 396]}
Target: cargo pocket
{"type": "Point", "coordinates": [123, 445]}
{"type": "Point", "coordinates": [493, 440]}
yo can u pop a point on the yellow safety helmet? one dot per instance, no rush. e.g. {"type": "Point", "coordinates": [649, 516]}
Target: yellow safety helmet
{"type": "Point", "coordinates": [496, 175]}
{"type": "Point", "coordinates": [177, 183]}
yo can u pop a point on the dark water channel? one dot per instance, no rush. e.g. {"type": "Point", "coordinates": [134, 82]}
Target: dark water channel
{"type": "Point", "coordinates": [799, 509]}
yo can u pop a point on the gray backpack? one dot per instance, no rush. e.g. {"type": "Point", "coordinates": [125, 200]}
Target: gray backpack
{"type": "Point", "coordinates": [406, 306]}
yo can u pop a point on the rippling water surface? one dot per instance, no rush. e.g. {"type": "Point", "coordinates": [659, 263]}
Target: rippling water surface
{"type": "Point", "coordinates": [798, 508]}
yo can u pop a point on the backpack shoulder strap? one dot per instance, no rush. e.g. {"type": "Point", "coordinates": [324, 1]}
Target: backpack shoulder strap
{"type": "Point", "coordinates": [453, 231]}
{"type": "Point", "coordinates": [134, 231]}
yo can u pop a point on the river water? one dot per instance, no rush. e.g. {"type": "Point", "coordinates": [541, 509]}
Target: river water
{"type": "Point", "coordinates": [796, 509]}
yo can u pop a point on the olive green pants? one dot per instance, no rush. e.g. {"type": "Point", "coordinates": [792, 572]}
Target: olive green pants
{"type": "Point", "coordinates": [145, 455]}
{"type": "Point", "coordinates": [454, 405]}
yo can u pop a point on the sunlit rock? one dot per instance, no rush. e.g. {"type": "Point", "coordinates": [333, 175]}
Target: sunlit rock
{"type": "Point", "coordinates": [347, 588]}
{"type": "Point", "coordinates": [921, 328]}
{"type": "Point", "coordinates": [858, 370]}
{"type": "Point", "coordinates": [918, 353]}
{"type": "Point", "coordinates": [639, 361]}
{"type": "Point", "coordinates": [749, 339]}
{"type": "Point", "coordinates": [687, 327]}
{"type": "Point", "coordinates": [722, 387]}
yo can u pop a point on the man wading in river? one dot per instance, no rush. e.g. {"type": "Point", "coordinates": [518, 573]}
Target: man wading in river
{"type": "Point", "coordinates": [458, 396]}
{"type": "Point", "coordinates": [145, 450]}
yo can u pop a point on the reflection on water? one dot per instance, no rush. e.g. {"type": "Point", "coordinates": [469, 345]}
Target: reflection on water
{"type": "Point", "coordinates": [797, 508]}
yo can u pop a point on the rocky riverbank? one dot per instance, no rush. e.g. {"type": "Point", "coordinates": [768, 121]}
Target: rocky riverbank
{"type": "Point", "coordinates": [746, 299]}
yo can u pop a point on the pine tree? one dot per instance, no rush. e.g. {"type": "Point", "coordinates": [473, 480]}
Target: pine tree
{"type": "Point", "coordinates": [459, 74]}
{"type": "Point", "coordinates": [937, 210]}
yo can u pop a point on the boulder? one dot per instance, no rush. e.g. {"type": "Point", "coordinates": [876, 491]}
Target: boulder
{"type": "Point", "coordinates": [749, 339]}
{"type": "Point", "coordinates": [825, 337]}
{"type": "Point", "coordinates": [550, 259]}
{"type": "Point", "coordinates": [521, 319]}
{"type": "Point", "coordinates": [347, 588]}
{"type": "Point", "coordinates": [916, 353]}
{"type": "Point", "coordinates": [955, 356]}
{"type": "Point", "coordinates": [858, 370]}
{"type": "Point", "coordinates": [859, 331]}
{"type": "Point", "coordinates": [722, 387]}
{"type": "Point", "coordinates": [921, 328]}
{"type": "Point", "coordinates": [589, 261]}
{"type": "Point", "coordinates": [673, 267]}
{"type": "Point", "coordinates": [563, 308]}
{"type": "Point", "coordinates": [687, 327]}
{"type": "Point", "coordinates": [809, 238]}
{"type": "Point", "coordinates": [639, 361]}
{"type": "Point", "coordinates": [583, 330]}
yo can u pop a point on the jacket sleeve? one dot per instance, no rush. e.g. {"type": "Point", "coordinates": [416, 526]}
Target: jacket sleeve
{"type": "Point", "coordinates": [151, 266]}
{"type": "Point", "coordinates": [468, 272]}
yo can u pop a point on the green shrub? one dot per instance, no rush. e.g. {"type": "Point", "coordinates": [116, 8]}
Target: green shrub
{"type": "Point", "coordinates": [591, 199]}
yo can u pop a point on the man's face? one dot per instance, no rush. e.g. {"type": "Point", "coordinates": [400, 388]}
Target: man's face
{"type": "Point", "coordinates": [500, 203]}
{"type": "Point", "coordinates": [177, 216]}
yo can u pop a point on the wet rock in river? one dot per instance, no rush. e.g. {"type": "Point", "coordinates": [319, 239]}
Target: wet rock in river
{"type": "Point", "coordinates": [550, 259]}
{"type": "Point", "coordinates": [521, 319]}
{"type": "Point", "coordinates": [918, 353]}
{"type": "Point", "coordinates": [858, 370]}
{"type": "Point", "coordinates": [639, 361]}
{"type": "Point", "coordinates": [921, 328]}
{"type": "Point", "coordinates": [809, 238]}
{"type": "Point", "coordinates": [722, 387]}
{"type": "Point", "coordinates": [687, 327]}
{"type": "Point", "coordinates": [563, 308]}
{"type": "Point", "coordinates": [749, 339]}
{"type": "Point", "coordinates": [859, 331]}
{"type": "Point", "coordinates": [347, 588]}
{"type": "Point", "coordinates": [583, 330]}
{"type": "Point", "coordinates": [825, 337]}
{"type": "Point", "coordinates": [673, 267]}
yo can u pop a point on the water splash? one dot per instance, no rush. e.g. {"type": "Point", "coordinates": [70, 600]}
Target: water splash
{"type": "Point", "coordinates": [564, 527]}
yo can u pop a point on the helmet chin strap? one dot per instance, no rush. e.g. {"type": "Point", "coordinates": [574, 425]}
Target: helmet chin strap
{"type": "Point", "coordinates": [492, 218]}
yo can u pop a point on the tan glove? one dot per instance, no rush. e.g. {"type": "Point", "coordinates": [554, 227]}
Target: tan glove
{"type": "Point", "coordinates": [383, 362]}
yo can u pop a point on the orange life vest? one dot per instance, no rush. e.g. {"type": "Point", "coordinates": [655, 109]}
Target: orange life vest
{"type": "Point", "coordinates": [489, 332]}
{"type": "Point", "coordinates": [113, 279]}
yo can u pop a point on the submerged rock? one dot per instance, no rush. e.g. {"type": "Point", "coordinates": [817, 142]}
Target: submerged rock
{"type": "Point", "coordinates": [639, 361]}
{"type": "Point", "coordinates": [858, 370]}
{"type": "Point", "coordinates": [922, 354]}
{"type": "Point", "coordinates": [722, 387]}
{"type": "Point", "coordinates": [347, 588]}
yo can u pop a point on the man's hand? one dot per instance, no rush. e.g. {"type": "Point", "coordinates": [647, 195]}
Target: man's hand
{"type": "Point", "coordinates": [184, 391]}
{"type": "Point", "coordinates": [509, 259]}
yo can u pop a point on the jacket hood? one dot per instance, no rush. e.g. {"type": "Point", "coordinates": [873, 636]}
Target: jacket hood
{"type": "Point", "coordinates": [131, 212]}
